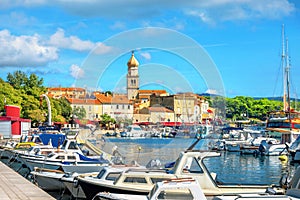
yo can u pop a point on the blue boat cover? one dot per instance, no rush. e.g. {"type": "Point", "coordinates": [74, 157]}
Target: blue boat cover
{"type": "Point", "coordinates": [56, 139]}
{"type": "Point", "coordinates": [100, 160]}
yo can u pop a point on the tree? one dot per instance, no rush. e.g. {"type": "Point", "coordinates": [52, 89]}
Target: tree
{"type": "Point", "coordinates": [79, 112]}
{"type": "Point", "coordinates": [106, 120]}
{"type": "Point", "coordinates": [17, 79]}
{"type": "Point", "coordinates": [37, 116]}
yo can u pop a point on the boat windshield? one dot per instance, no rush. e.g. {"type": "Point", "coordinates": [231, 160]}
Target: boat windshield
{"type": "Point", "coordinates": [155, 187]}
{"type": "Point", "coordinates": [50, 155]}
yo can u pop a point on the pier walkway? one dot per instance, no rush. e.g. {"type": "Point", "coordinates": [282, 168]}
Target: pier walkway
{"type": "Point", "coordinates": [13, 186]}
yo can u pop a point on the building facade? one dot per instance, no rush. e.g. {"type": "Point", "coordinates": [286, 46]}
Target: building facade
{"type": "Point", "coordinates": [132, 78]}
{"type": "Point", "coordinates": [92, 107]}
{"type": "Point", "coordinates": [116, 105]}
{"type": "Point", "coordinates": [71, 92]}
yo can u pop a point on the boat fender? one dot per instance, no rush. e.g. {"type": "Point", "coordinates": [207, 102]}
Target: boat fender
{"type": "Point", "coordinates": [75, 184]}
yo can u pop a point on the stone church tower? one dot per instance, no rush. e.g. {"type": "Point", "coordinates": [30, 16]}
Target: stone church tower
{"type": "Point", "coordinates": [132, 77]}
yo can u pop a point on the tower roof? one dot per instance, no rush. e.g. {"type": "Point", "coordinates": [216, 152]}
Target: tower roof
{"type": "Point", "coordinates": [132, 62]}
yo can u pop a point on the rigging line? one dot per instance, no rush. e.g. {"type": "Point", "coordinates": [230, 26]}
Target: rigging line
{"type": "Point", "coordinates": [279, 72]}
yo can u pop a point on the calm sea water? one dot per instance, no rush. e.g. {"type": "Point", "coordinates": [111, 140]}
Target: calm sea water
{"type": "Point", "coordinates": [231, 167]}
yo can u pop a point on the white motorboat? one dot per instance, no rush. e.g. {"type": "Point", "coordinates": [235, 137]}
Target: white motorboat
{"type": "Point", "coordinates": [134, 131]}
{"type": "Point", "coordinates": [57, 160]}
{"type": "Point", "coordinates": [269, 149]}
{"type": "Point", "coordinates": [106, 174]}
{"type": "Point", "coordinates": [185, 188]}
{"type": "Point", "coordinates": [48, 180]}
{"type": "Point", "coordinates": [189, 164]}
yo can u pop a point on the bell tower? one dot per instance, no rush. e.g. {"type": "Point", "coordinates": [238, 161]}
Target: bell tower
{"type": "Point", "coordinates": [132, 77]}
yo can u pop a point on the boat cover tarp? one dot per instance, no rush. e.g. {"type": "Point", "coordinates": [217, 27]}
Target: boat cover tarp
{"type": "Point", "coordinates": [56, 139]}
{"type": "Point", "coordinates": [84, 158]}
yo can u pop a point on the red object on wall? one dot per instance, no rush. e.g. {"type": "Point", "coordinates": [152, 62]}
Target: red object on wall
{"type": "Point", "coordinates": [13, 115]}
{"type": "Point", "coordinates": [15, 128]}
{"type": "Point", "coordinates": [12, 111]}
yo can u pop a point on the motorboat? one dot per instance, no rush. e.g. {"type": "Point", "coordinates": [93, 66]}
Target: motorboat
{"type": "Point", "coordinates": [189, 164]}
{"type": "Point", "coordinates": [106, 174]}
{"type": "Point", "coordinates": [133, 131]}
{"type": "Point", "coordinates": [269, 149]}
{"type": "Point", "coordinates": [294, 150]}
{"type": "Point", "coordinates": [253, 147]}
{"type": "Point", "coordinates": [59, 159]}
{"type": "Point", "coordinates": [132, 181]}
{"type": "Point", "coordinates": [69, 181]}
{"type": "Point", "coordinates": [168, 132]}
{"type": "Point", "coordinates": [48, 180]}
{"type": "Point", "coordinates": [181, 188]}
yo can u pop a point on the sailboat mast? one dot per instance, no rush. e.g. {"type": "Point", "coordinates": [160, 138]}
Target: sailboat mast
{"type": "Point", "coordinates": [283, 59]}
{"type": "Point", "coordinates": [287, 69]}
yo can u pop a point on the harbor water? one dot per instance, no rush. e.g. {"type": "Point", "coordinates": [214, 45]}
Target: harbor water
{"type": "Point", "coordinates": [231, 167]}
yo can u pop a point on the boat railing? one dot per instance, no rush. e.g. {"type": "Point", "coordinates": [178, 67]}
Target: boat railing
{"type": "Point", "coordinates": [145, 170]}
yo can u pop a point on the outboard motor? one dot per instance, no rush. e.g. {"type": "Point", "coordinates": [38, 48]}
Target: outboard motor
{"type": "Point", "coordinates": [263, 147]}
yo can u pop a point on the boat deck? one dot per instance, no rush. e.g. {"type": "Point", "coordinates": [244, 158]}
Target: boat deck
{"type": "Point", "coordinates": [13, 186]}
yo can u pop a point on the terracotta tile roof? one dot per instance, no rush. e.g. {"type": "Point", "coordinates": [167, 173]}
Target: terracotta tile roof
{"type": "Point", "coordinates": [122, 99]}
{"type": "Point", "coordinates": [160, 109]}
{"type": "Point", "coordinates": [103, 98]}
{"type": "Point", "coordinates": [84, 101]}
{"type": "Point", "coordinates": [115, 99]}
{"type": "Point", "coordinates": [149, 92]}
{"type": "Point", "coordinates": [144, 96]}
{"type": "Point", "coordinates": [65, 89]}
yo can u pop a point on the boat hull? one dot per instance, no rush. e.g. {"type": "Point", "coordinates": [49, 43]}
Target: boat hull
{"type": "Point", "coordinates": [48, 181]}
{"type": "Point", "coordinates": [90, 189]}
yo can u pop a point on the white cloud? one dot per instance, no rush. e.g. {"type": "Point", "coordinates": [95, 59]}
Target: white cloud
{"type": "Point", "coordinates": [59, 40]}
{"type": "Point", "coordinates": [23, 51]}
{"type": "Point", "coordinates": [103, 49]}
{"type": "Point", "coordinates": [211, 91]}
{"type": "Point", "coordinates": [146, 55]}
{"type": "Point", "coordinates": [118, 26]}
{"type": "Point", "coordinates": [32, 51]}
{"type": "Point", "coordinates": [76, 71]}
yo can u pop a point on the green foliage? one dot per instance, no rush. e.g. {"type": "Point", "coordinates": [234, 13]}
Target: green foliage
{"type": "Point", "coordinates": [106, 119]}
{"type": "Point", "coordinates": [79, 112]}
{"type": "Point", "coordinates": [25, 91]}
{"type": "Point", "coordinates": [241, 108]}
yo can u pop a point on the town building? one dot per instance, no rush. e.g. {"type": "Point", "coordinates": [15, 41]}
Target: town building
{"type": "Point", "coordinates": [72, 92]}
{"type": "Point", "coordinates": [116, 105]}
{"type": "Point", "coordinates": [138, 105]}
{"type": "Point", "coordinates": [187, 107]}
{"type": "Point", "coordinates": [156, 114]}
{"type": "Point", "coordinates": [92, 107]}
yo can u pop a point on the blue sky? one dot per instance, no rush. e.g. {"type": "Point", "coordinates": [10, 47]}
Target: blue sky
{"type": "Point", "coordinates": [224, 46]}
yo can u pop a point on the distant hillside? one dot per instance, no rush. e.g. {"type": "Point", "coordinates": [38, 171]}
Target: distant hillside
{"type": "Point", "coordinates": [256, 98]}
{"type": "Point", "coordinates": [275, 98]}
